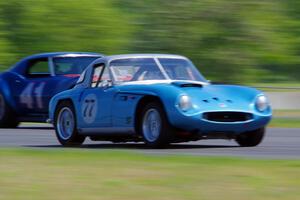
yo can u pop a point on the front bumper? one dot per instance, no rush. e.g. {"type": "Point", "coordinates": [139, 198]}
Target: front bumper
{"type": "Point", "coordinates": [197, 123]}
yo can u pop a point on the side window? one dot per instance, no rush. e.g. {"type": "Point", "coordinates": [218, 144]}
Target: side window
{"type": "Point", "coordinates": [105, 75]}
{"type": "Point", "coordinates": [105, 78]}
{"type": "Point", "coordinates": [97, 72]}
{"type": "Point", "coordinates": [38, 68]}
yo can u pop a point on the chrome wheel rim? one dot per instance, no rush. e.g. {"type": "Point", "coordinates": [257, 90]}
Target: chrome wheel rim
{"type": "Point", "coordinates": [2, 107]}
{"type": "Point", "coordinates": [151, 125]}
{"type": "Point", "coordinates": [65, 123]}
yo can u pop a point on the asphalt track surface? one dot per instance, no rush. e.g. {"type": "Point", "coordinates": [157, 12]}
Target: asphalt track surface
{"type": "Point", "coordinates": [279, 143]}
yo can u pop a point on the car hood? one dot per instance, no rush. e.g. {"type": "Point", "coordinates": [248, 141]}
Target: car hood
{"type": "Point", "coordinates": [221, 97]}
{"type": "Point", "coordinates": [203, 95]}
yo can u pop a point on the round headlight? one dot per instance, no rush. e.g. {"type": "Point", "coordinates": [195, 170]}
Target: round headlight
{"type": "Point", "coordinates": [262, 103]}
{"type": "Point", "coordinates": [185, 103]}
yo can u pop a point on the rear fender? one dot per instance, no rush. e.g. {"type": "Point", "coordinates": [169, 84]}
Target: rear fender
{"type": "Point", "coordinates": [66, 84]}
{"type": "Point", "coordinates": [6, 91]}
{"type": "Point", "coordinates": [65, 95]}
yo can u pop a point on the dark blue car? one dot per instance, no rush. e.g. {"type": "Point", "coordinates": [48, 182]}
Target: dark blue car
{"type": "Point", "coordinates": [27, 87]}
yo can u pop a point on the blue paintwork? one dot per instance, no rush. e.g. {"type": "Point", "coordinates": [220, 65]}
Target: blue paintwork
{"type": "Point", "coordinates": [117, 105]}
{"type": "Point", "coordinates": [14, 81]}
{"type": "Point", "coordinates": [20, 67]}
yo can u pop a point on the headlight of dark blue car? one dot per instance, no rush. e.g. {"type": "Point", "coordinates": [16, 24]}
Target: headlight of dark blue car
{"type": "Point", "coordinates": [262, 103]}
{"type": "Point", "coordinates": [185, 103]}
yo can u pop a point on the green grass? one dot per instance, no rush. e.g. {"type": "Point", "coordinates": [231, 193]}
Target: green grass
{"type": "Point", "coordinates": [88, 174]}
{"type": "Point", "coordinates": [285, 123]}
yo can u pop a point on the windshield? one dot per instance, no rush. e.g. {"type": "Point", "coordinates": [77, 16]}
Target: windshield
{"type": "Point", "coordinates": [71, 65]}
{"type": "Point", "coordinates": [181, 69]}
{"type": "Point", "coordinates": [140, 69]}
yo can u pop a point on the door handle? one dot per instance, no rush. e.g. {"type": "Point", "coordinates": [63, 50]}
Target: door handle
{"type": "Point", "coordinates": [89, 101]}
{"type": "Point", "coordinates": [123, 98]}
{"type": "Point", "coordinates": [18, 81]}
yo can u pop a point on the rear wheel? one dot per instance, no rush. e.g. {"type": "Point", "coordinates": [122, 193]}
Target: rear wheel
{"type": "Point", "coordinates": [8, 118]}
{"type": "Point", "coordinates": [65, 125]}
{"type": "Point", "coordinates": [154, 126]}
{"type": "Point", "coordinates": [251, 138]}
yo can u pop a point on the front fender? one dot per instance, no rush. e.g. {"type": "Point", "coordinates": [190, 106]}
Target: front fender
{"type": "Point", "coordinates": [72, 95]}
{"type": "Point", "coordinates": [168, 94]}
{"type": "Point", "coordinates": [167, 97]}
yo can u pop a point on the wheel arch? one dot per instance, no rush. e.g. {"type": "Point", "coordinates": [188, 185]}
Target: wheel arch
{"type": "Point", "coordinates": [6, 91]}
{"type": "Point", "coordinates": [142, 102]}
{"type": "Point", "coordinates": [60, 101]}
{"type": "Point", "coordinates": [53, 107]}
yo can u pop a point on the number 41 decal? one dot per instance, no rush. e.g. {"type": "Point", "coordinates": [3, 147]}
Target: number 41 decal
{"type": "Point", "coordinates": [28, 94]}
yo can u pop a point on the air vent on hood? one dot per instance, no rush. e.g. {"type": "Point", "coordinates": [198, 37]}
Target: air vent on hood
{"type": "Point", "coordinates": [190, 85]}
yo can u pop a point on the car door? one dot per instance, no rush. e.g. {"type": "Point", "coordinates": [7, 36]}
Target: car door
{"type": "Point", "coordinates": [34, 90]}
{"type": "Point", "coordinates": [96, 101]}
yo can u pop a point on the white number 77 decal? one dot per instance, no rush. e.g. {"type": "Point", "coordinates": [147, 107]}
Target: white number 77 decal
{"type": "Point", "coordinates": [27, 94]}
{"type": "Point", "coordinates": [89, 108]}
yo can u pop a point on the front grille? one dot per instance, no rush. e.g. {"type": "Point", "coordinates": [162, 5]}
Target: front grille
{"type": "Point", "coordinates": [227, 116]}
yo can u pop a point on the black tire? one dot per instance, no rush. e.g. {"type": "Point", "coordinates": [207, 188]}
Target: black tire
{"type": "Point", "coordinates": [251, 138]}
{"type": "Point", "coordinates": [165, 131]}
{"type": "Point", "coordinates": [72, 139]}
{"type": "Point", "coordinates": [8, 118]}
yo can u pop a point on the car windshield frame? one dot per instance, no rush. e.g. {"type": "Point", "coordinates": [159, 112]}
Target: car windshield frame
{"type": "Point", "coordinates": [159, 66]}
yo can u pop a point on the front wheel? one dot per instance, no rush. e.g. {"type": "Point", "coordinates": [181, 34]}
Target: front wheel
{"type": "Point", "coordinates": [8, 118]}
{"type": "Point", "coordinates": [154, 126]}
{"type": "Point", "coordinates": [65, 125]}
{"type": "Point", "coordinates": [251, 138]}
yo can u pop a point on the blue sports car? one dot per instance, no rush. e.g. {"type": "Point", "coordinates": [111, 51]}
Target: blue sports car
{"type": "Point", "coordinates": [27, 87]}
{"type": "Point", "coordinates": [158, 99]}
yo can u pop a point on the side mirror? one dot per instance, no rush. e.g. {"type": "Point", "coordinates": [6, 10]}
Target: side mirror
{"type": "Point", "coordinates": [106, 83]}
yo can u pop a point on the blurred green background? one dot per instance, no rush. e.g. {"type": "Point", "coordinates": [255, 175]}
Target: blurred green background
{"type": "Point", "coordinates": [237, 41]}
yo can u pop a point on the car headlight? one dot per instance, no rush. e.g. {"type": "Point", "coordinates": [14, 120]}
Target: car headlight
{"type": "Point", "coordinates": [262, 103]}
{"type": "Point", "coordinates": [185, 103]}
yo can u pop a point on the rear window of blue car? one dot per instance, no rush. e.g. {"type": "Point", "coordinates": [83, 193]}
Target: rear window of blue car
{"type": "Point", "coordinates": [38, 68]}
{"type": "Point", "coordinates": [71, 65]}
